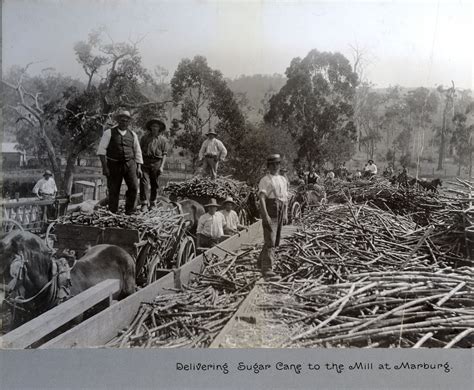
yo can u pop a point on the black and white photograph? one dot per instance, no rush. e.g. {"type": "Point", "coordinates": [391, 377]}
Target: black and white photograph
{"type": "Point", "coordinates": [237, 174]}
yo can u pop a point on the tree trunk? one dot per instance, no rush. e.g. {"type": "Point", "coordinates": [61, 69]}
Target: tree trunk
{"type": "Point", "coordinates": [470, 164]}
{"type": "Point", "coordinates": [69, 174]}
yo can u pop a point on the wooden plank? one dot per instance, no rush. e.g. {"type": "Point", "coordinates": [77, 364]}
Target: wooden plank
{"type": "Point", "coordinates": [242, 313]}
{"type": "Point", "coordinates": [104, 326]}
{"type": "Point", "coordinates": [46, 323]}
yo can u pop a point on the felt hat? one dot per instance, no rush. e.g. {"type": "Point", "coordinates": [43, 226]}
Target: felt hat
{"type": "Point", "coordinates": [274, 158]}
{"type": "Point", "coordinates": [211, 132]}
{"type": "Point", "coordinates": [229, 200]}
{"type": "Point", "coordinates": [212, 203]}
{"type": "Point", "coordinates": [155, 120]}
{"type": "Point", "coordinates": [370, 161]}
{"type": "Point", "coordinates": [47, 172]}
{"type": "Point", "coordinates": [123, 113]}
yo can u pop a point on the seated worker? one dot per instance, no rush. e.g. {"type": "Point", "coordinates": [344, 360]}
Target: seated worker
{"type": "Point", "coordinates": [370, 169]}
{"type": "Point", "coordinates": [211, 225]}
{"type": "Point", "coordinates": [231, 218]}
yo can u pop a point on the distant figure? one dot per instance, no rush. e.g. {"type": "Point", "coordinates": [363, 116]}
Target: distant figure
{"type": "Point", "coordinates": [212, 152]}
{"type": "Point", "coordinates": [370, 169]}
{"type": "Point", "coordinates": [388, 172]}
{"type": "Point", "coordinates": [313, 176]}
{"type": "Point", "coordinates": [342, 171]}
{"type": "Point", "coordinates": [45, 188]}
{"type": "Point", "coordinates": [210, 229]}
{"type": "Point", "coordinates": [154, 149]}
{"type": "Point", "coordinates": [232, 224]}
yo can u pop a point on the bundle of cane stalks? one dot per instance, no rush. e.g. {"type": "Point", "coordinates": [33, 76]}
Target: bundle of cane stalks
{"type": "Point", "coordinates": [193, 316]}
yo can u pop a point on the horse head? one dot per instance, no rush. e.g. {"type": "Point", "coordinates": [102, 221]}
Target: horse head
{"type": "Point", "coordinates": [25, 261]}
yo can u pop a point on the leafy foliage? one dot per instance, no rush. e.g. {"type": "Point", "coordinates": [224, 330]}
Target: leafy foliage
{"type": "Point", "coordinates": [315, 106]}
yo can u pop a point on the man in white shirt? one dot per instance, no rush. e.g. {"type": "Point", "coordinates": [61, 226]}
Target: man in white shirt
{"type": "Point", "coordinates": [273, 195]}
{"type": "Point", "coordinates": [121, 158]}
{"type": "Point", "coordinates": [211, 225]}
{"type": "Point", "coordinates": [212, 151]}
{"type": "Point", "coordinates": [46, 188]}
{"type": "Point", "coordinates": [232, 224]}
{"type": "Point", "coordinates": [370, 169]}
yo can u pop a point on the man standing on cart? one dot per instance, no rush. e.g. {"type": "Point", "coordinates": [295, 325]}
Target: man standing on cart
{"type": "Point", "coordinates": [273, 195]}
{"type": "Point", "coordinates": [121, 158]}
{"type": "Point", "coordinates": [155, 149]}
{"type": "Point", "coordinates": [212, 152]}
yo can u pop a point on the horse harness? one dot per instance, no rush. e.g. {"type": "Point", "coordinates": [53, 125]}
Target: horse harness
{"type": "Point", "coordinates": [58, 287]}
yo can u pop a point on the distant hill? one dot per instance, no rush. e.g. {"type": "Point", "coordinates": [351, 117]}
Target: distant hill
{"type": "Point", "coordinates": [256, 89]}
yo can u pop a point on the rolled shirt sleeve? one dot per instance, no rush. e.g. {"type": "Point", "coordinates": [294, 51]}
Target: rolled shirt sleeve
{"type": "Point", "coordinates": [222, 150]}
{"type": "Point", "coordinates": [203, 150]}
{"type": "Point", "coordinates": [104, 143]}
{"type": "Point", "coordinates": [138, 149]}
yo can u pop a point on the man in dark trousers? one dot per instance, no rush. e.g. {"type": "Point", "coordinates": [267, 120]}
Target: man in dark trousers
{"type": "Point", "coordinates": [273, 195]}
{"type": "Point", "coordinates": [155, 149]}
{"type": "Point", "coordinates": [121, 158]}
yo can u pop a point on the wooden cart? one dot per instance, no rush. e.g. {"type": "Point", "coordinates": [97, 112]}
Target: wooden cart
{"type": "Point", "coordinates": [153, 259]}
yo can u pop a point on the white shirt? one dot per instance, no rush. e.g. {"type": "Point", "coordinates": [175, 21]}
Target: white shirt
{"type": "Point", "coordinates": [105, 140]}
{"type": "Point", "coordinates": [211, 225]}
{"type": "Point", "coordinates": [274, 187]}
{"type": "Point", "coordinates": [45, 187]}
{"type": "Point", "coordinates": [231, 219]}
{"type": "Point", "coordinates": [371, 168]}
{"type": "Point", "coordinates": [214, 147]}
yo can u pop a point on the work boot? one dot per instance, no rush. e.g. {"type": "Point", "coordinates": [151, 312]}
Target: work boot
{"type": "Point", "coordinates": [270, 276]}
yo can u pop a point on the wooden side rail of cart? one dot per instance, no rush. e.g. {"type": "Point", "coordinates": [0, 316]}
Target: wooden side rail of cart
{"type": "Point", "coordinates": [50, 321]}
{"type": "Point", "coordinates": [98, 330]}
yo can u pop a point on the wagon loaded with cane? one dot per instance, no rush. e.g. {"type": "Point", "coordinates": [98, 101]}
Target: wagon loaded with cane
{"type": "Point", "coordinates": [202, 190]}
{"type": "Point", "coordinates": [158, 240]}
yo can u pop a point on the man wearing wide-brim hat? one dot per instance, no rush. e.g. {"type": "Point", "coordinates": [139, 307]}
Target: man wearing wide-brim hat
{"type": "Point", "coordinates": [273, 196]}
{"type": "Point", "coordinates": [154, 149]}
{"type": "Point", "coordinates": [45, 188]}
{"type": "Point", "coordinates": [211, 225]}
{"type": "Point", "coordinates": [212, 152]}
{"type": "Point", "coordinates": [230, 216]}
{"type": "Point", "coordinates": [121, 158]}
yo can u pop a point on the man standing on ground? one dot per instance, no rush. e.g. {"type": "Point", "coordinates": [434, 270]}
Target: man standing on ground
{"type": "Point", "coordinates": [121, 158]}
{"type": "Point", "coordinates": [212, 152]}
{"type": "Point", "coordinates": [273, 195]}
{"type": "Point", "coordinates": [210, 229]}
{"type": "Point", "coordinates": [155, 149]}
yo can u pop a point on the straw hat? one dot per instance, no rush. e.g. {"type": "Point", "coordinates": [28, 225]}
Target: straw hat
{"type": "Point", "coordinates": [211, 132]}
{"type": "Point", "coordinates": [274, 158]}
{"type": "Point", "coordinates": [229, 200]}
{"type": "Point", "coordinates": [123, 113]}
{"type": "Point", "coordinates": [47, 172]}
{"type": "Point", "coordinates": [155, 120]}
{"type": "Point", "coordinates": [212, 203]}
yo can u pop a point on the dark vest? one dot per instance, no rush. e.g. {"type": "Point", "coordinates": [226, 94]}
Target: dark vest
{"type": "Point", "coordinates": [121, 148]}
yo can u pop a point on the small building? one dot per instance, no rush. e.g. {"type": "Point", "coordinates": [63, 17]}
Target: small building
{"type": "Point", "coordinates": [12, 157]}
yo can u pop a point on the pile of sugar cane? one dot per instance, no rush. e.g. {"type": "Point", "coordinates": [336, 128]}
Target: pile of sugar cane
{"type": "Point", "coordinates": [202, 187]}
{"type": "Point", "coordinates": [193, 316]}
{"type": "Point", "coordinates": [338, 241]}
{"type": "Point", "coordinates": [378, 309]}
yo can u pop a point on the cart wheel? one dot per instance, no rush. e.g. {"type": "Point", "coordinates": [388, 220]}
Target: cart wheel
{"type": "Point", "coordinates": [187, 251]}
{"type": "Point", "coordinates": [295, 211]}
{"type": "Point", "coordinates": [152, 268]}
{"type": "Point", "coordinates": [243, 217]}
{"type": "Point", "coordinates": [50, 237]}
{"type": "Point", "coordinates": [10, 224]}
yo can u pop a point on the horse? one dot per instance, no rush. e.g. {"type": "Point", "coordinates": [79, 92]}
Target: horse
{"type": "Point", "coordinates": [38, 280]}
{"type": "Point", "coordinates": [430, 185]}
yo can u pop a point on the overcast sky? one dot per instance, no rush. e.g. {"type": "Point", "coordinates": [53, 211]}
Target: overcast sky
{"type": "Point", "coordinates": [411, 43]}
